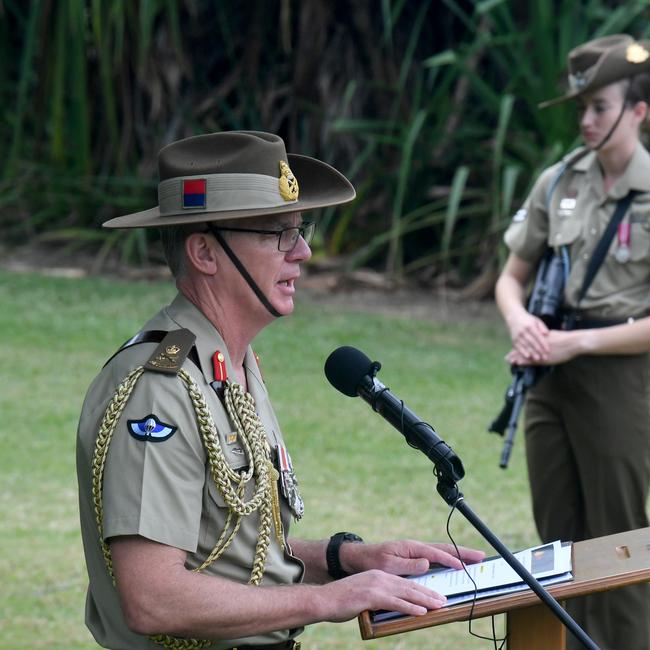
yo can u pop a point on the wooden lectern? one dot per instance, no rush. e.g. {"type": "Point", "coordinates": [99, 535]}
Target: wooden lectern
{"type": "Point", "coordinates": [599, 564]}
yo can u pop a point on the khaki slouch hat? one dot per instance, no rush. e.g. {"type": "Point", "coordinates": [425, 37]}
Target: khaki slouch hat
{"type": "Point", "coordinates": [603, 61]}
{"type": "Point", "coordinates": [236, 174]}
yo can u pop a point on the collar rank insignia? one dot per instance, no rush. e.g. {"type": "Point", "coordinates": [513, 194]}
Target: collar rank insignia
{"type": "Point", "coordinates": [219, 366]}
{"type": "Point", "coordinates": [289, 189]}
{"type": "Point", "coordinates": [171, 352]}
{"type": "Point", "coordinates": [193, 193]}
{"type": "Point", "coordinates": [150, 429]}
{"type": "Point", "coordinates": [220, 373]}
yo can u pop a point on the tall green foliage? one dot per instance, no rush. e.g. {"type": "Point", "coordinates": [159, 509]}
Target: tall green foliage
{"type": "Point", "coordinates": [430, 107]}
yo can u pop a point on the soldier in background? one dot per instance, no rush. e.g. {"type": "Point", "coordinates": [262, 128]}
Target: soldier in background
{"type": "Point", "coordinates": [588, 420]}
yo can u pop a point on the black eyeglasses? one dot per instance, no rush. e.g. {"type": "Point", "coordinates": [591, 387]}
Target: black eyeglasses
{"type": "Point", "coordinates": [287, 237]}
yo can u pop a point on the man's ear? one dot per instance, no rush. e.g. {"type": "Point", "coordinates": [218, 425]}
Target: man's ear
{"type": "Point", "coordinates": [201, 252]}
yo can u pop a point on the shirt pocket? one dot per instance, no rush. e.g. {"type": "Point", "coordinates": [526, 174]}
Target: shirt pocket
{"type": "Point", "coordinates": [564, 230]}
{"type": "Point", "coordinates": [237, 459]}
{"type": "Point", "coordinates": [639, 220]}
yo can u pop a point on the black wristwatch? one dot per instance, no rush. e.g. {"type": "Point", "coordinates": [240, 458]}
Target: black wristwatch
{"type": "Point", "coordinates": [332, 553]}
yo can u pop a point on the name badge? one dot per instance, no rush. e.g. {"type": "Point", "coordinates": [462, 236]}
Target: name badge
{"type": "Point", "coordinates": [566, 207]}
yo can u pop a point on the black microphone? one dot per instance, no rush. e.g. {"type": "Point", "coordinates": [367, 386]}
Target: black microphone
{"type": "Point", "coordinates": [352, 373]}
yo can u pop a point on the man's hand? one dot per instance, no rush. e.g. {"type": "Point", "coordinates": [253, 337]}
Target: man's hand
{"type": "Point", "coordinates": [404, 557]}
{"type": "Point", "coordinates": [376, 583]}
{"type": "Point", "coordinates": [372, 590]}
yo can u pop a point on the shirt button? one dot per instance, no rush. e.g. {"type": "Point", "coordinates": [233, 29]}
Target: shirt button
{"type": "Point", "coordinates": [593, 231]}
{"type": "Point", "coordinates": [558, 236]}
{"type": "Point", "coordinates": [585, 256]}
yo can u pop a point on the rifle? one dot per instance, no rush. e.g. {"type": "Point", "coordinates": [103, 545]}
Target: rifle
{"type": "Point", "coordinates": [545, 303]}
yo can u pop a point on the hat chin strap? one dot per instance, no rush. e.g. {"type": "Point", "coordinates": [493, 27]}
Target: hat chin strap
{"type": "Point", "coordinates": [243, 272]}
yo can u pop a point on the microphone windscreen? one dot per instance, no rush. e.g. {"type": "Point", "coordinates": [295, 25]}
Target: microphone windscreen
{"type": "Point", "coordinates": [345, 368]}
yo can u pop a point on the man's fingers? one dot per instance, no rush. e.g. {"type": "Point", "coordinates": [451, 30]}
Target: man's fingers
{"type": "Point", "coordinates": [417, 600]}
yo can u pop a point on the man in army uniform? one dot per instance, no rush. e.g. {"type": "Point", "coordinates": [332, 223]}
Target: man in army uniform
{"type": "Point", "coordinates": [186, 485]}
{"type": "Point", "coordinates": [588, 420]}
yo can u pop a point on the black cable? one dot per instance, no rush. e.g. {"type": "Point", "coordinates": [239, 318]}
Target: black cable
{"type": "Point", "coordinates": [458, 555]}
{"type": "Point", "coordinates": [493, 638]}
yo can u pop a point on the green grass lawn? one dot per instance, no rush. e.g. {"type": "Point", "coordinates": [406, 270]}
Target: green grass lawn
{"type": "Point", "coordinates": [355, 471]}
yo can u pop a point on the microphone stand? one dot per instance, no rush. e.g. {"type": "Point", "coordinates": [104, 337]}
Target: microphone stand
{"type": "Point", "coordinates": [448, 490]}
{"type": "Point", "coordinates": [448, 470]}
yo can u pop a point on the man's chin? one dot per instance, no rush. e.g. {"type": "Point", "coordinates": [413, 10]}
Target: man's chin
{"type": "Point", "coordinates": [283, 305]}
{"type": "Point", "coordinates": [286, 307]}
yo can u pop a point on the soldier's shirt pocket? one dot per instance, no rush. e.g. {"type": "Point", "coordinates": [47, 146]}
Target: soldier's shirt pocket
{"type": "Point", "coordinates": [564, 229]}
{"type": "Point", "coordinates": [639, 235]}
{"type": "Point", "coordinates": [238, 461]}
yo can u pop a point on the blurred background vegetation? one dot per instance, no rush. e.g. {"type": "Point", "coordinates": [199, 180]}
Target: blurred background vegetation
{"type": "Point", "coordinates": [429, 106]}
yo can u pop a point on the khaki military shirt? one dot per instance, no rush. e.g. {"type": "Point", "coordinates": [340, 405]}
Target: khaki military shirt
{"type": "Point", "coordinates": [577, 215]}
{"type": "Point", "coordinates": [163, 490]}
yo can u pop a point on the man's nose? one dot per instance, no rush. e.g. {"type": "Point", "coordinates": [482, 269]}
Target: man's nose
{"type": "Point", "coordinates": [301, 251]}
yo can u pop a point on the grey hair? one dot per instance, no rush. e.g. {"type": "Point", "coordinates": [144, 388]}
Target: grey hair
{"type": "Point", "coordinates": [173, 243]}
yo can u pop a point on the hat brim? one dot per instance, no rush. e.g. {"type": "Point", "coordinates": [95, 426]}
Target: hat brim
{"type": "Point", "coordinates": [608, 70]}
{"type": "Point", "coordinates": [321, 186]}
{"type": "Point", "coordinates": [559, 100]}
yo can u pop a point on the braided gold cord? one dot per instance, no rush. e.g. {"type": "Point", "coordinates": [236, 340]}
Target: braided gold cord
{"type": "Point", "coordinates": [223, 475]}
{"type": "Point", "coordinates": [223, 543]}
{"type": "Point", "coordinates": [106, 429]}
{"type": "Point", "coordinates": [177, 643]}
{"type": "Point", "coordinates": [241, 410]}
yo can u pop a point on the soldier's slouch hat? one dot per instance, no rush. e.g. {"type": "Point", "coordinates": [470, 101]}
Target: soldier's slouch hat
{"type": "Point", "coordinates": [603, 61]}
{"type": "Point", "coordinates": [236, 174]}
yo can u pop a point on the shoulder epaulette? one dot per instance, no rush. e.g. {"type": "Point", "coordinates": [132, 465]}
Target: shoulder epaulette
{"type": "Point", "coordinates": [171, 352]}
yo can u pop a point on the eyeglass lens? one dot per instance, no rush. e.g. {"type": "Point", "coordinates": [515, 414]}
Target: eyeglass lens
{"type": "Point", "coordinates": [289, 236]}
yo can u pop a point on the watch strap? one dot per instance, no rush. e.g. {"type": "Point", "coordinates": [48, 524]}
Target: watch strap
{"type": "Point", "coordinates": [332, 552]}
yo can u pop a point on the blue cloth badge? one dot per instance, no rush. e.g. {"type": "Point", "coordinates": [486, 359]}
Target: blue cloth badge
{"type": "Point", "coordinates": [150, 429]}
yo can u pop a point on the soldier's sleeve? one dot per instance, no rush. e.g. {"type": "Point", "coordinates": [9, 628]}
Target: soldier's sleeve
{"type": "Point", "coordinates": [527, 234]}
{"type": "Point", "coordinates": [155, 467]}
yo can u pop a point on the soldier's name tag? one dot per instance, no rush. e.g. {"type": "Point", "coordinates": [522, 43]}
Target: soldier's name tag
{"type": "Point", "coordinates": [566, 207]}
{"type": "Point", "coordinates": [289, 483]}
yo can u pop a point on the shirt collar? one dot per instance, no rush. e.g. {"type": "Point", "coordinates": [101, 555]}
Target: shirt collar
{"type": "Point", "coordinates": [208, 340]}
{"type": "Point", "coordinates": [636, 176]}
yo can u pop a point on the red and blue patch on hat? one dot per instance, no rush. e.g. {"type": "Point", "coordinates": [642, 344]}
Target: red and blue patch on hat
{"type": "Point", "coordinates": [194, 193]}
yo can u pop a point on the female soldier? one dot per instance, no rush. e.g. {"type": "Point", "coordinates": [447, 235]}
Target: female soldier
{"type": "Point", "coordinates": [587, 421]}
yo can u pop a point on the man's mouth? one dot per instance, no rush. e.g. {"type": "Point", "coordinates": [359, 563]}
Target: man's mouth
{"type": "Point", "coordinates": [289, 282]}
